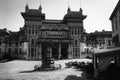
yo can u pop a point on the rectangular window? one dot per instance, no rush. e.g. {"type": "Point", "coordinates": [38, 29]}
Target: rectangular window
{"type": "Point", "coordinates": [29, 31]}
{"type": "Point", "coordinates": [35, 52]}
{"type": "Point", "coordinates": [20, 50]}
{"type": "Point", "coordinates": [29, 52]}
{"type": "Point", "coordinates": [32, 31]}
{"type": "Point", "coordinates": [116, 21]}
{"type": "Point", "coordinates": [78, 32]}
{"type": "Point", "coordinates": [75, 42]}
{"type": "Point", "coordinates": [0, 50]}
{"type": "Point", "coordinates": [32, 41]}
{"type": "Point", "coordinates": [76, 52]}
{"type": "Point", "coordinates": [32, 52]}
{"type": "Point", "coordinates": [0, 43]}
{"type": "Point", "coordinates": [72, 32]}
{"type": "Point", "coordinates": [75, 32]}
{"type": "Point", "coordinates": [36, 31]}
{"type": "Point", "coordinates": [9, 43]}
{"type": "Point", "coordinates": [109, 42]}
{"type": "Point", "coordinates": [9, 50]}
{"type": "Point", "coordinates": [16, 44]}
{"type": "Point", "coordinates": [16, 50]}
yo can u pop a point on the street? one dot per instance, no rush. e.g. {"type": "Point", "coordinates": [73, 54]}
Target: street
{"type": "Point", "coordinates": [23, 70]}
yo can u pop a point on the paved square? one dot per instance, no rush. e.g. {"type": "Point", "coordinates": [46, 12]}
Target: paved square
{"type": "Point", "coordinates": [22, 70]}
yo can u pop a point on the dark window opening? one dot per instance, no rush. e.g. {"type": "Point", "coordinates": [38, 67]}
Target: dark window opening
{"type": "Point", "coordinates": [16, 43]}
{"type": "Point", "coordinates": [32, 41]}
{"type": "Point", "coordinates": [75, 42]}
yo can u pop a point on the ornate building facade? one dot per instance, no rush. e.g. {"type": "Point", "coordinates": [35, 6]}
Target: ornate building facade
{"type": "Point", "coordinates": [61, 37]}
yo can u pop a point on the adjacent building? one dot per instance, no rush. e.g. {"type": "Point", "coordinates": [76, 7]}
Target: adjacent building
{"type": "Point", "coordinates": [12, 44]}
{"type": "Point", "coordinates": [3, 33]}
{"type": "Point", "coordinates": [97, 40]}
{"type": "Point", "coordinates": [115, 20]}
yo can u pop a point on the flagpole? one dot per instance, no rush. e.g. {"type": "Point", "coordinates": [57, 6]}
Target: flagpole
{"type": "Point", "coordinates": [80, 3]}
{"type": "Point", "coordinates": [68, 3]}
{"type": "Point", "coordinates": [27, 2]}
{"type": "Point", "coordinates": [40, 2]}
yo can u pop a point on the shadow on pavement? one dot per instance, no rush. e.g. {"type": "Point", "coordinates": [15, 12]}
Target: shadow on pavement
{"type": "Point", "coordinates": [111, 73]}
{"type": "Point", "coordinates": [74, 77]}
{"type": "Point", "coordinates": [6, 60]}
{"type": "Point", "coordinates": [30, 71]}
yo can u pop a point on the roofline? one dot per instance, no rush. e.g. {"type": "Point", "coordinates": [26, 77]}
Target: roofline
{"type": "Point", "coordinates": [52, 20]}
{"type": "Point", "coordinates": [115, 9]}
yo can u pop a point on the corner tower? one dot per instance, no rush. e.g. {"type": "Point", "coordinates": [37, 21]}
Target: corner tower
{"type": "Point", "coordinates": [33, 21]}
{"type": "Point", "coordinates": [74, 20]}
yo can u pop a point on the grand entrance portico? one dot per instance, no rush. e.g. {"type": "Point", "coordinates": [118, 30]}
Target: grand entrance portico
{"type": "Point", "coordinates": [58, 49]}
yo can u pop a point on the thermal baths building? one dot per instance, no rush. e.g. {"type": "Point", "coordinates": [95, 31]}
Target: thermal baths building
{"type": "Point", "coordinates": [61, 37]}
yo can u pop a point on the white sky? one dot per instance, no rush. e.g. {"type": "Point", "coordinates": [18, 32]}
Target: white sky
{"type": "Point", "coordinates": [97, 11]}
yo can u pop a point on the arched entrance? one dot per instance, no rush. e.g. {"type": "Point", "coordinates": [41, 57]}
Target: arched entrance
{"type": "Point", "coordinates": [55, 53]}
{"type": "Point", "coordinates": [64, 51]}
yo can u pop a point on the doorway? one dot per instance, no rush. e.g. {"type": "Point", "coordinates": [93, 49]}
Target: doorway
{"type": "Point", "coordinates": [64, 51]}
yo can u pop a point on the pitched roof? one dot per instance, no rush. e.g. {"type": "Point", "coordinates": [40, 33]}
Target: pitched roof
{"type": "Point", "coordinates": [115, 10]}
{"type": "Point", "coordinates": [75, 14]}
{"type": "Point", "coordinates": [52, 21]}
{"type": "Point", "coordinates": [3, 32]}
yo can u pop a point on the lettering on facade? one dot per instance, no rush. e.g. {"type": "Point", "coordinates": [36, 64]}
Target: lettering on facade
{"type": "Point", "coordinates": [54, 33]}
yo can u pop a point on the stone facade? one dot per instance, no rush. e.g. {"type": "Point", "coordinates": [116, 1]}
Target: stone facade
{"type": "Point", "coordinates": [97, 40]}
{"type": "Point", "coordinates": [61, 37]}
{"type": "Point", "coordinates": [12, 44]}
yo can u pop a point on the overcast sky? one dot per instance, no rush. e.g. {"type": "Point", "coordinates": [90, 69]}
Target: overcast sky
{"type": "Point", "coordinates": [97, 11]}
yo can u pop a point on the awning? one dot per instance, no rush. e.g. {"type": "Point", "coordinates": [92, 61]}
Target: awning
{"type": "Point", "coordinates": [106, 52]}
{"type": "Point", "coordinates": [102, 59]}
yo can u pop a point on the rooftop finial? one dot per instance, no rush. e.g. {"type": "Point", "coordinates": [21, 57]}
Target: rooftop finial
{"type": "Point", "coordinates": [68, 3]}
{"type": "Point", "coordinates": [40, 2]}
{"type": "Point", "coordinates": [27, 2]}
{"type": "Point", "coordinates": [81, 7]}
{"type": "Point", "coordinates": [40, 8]}
{"type": "Point", "coordinates": [81, 11]}
{"type": "Point", "coordinates": [68, 7]}
{"type": "Point", "coordinates": [26, 8]}
{"type": "Point", "coordinates": [69, 10]}
{"type": "Point", "coordinates": [80, 3]}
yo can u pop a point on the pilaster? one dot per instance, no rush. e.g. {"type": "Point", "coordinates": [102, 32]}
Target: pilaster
{"type": "Point", "coordinates": [59, 51]}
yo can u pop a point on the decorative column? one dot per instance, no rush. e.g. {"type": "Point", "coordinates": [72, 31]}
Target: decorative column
{"type": "Point", "coordinates": [50, 52]}
{"type": "Point", "coordinates": [34, 53]}
{"type": "Point", "coordinates": [69, 51]}
{"type": "Point", "coordinates": [40, 52]}
{"type": "Point", "coordinates": [95, 66]}
{"type": "Point", "coordinates": [59, 51]}
{"type": "Point", "coordinates": [29, 53]}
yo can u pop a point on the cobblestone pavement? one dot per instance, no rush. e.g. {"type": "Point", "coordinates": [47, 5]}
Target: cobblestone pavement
{"type": "Point", "coordinates": [23, 70]}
